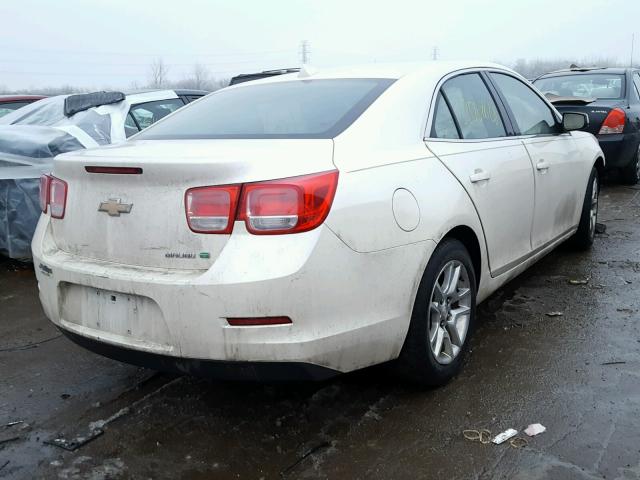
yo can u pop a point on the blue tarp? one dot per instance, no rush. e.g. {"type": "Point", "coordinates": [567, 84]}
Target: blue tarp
{"type": "Point", "coordinates": [19, 214]}
{"type": "Point", "coordinates": [26, 152]}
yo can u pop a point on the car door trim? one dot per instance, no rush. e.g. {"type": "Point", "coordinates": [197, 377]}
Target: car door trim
{"type": "Point", "coordinates": [533, 253]}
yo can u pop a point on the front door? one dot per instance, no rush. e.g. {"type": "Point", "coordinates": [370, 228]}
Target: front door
{"type": "Point", "coordinates": [554, 157]}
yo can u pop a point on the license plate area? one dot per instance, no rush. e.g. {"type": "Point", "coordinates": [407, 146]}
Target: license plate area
{"type": "Point", "coordinates": [122, 314]}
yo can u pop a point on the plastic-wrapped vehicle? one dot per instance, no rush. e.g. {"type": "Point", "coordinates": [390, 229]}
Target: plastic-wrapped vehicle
{"type": "Point", "coordinates": [9, 103]}
{"type": "Point", "coordinates": [32, 136]}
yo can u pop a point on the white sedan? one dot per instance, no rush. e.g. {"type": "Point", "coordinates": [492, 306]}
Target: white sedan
{"type": "Point", "coordinates": [316, 222]}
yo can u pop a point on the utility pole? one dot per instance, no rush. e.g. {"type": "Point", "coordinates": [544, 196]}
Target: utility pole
{"type": "Point", "coordinates": [633, 38]}
{"type": "Point", "coordinates": [435, 52]}
{"type": "Point", "coordinates": [305, 52]}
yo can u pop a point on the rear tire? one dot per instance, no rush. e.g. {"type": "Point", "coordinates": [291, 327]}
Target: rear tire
{"type": "Point", "coordinates": [443, 318]}
{"type": "Point", "coordinates": [631, 173]}
{"type": "Point", "coordinates": [583, 238]}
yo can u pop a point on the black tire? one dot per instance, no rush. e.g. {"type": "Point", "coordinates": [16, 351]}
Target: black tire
{"type": "Point", "coordinates": [417, 362]}
{"type": "Point", "coordinates": [631, 173]}
{"type": "Point", "coordinates": [583, 238]}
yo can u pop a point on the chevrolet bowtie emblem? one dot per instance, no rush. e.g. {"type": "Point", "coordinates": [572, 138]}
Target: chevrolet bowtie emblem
{"type": "Point", "coordinates": [114, 208]}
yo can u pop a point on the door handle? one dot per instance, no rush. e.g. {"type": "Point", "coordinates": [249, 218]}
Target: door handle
{"type": "Point", "coordinates": [479, 175]}
{"type": "Point", "coordinates": [542, 166]}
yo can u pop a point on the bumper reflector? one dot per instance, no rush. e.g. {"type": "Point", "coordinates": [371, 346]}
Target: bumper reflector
{"type": "Point", "coordinates": [255, 321]}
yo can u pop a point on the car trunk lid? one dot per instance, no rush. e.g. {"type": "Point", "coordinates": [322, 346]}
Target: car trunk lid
{"type": "Point", "coordinates": [596, 110]}
{"type": "Point", "coordinates": [139, 218]}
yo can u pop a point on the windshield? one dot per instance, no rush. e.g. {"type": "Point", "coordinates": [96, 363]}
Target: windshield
{"type": "Point", "coordinates": [288, 109]}
{"type": "Point", "coordinates": [594, 85]}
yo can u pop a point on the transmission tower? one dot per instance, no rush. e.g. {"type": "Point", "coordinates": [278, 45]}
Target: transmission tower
{"type": "Point", "coordinates": [305, 52]}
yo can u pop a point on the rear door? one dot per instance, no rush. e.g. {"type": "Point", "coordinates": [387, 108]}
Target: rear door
{"type": "Point", "coordinates": [469, 133]}
{"type": "Point", "coordinates": [558, 168]}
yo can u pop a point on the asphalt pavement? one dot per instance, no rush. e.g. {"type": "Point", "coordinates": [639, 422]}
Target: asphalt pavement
{"type": "Point", "coordinates": [577, 373]}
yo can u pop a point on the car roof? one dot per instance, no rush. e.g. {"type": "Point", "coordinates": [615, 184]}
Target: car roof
{"type": "Point", "coordinates": [177, 91]}
{"type": "Point", "coordinates": [246, 77]}
{"type": "Point", "coordinates": [393, 71]}
{"type": "Point", "coordinates": [190, 91]}
{"type": "Point", "coordinates": [17, 98]}
{"type": "Point", "coordinates": [585, 71]}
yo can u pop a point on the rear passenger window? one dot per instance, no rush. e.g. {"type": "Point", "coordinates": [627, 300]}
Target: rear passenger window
{"type": "Point", "coordinates": [636, 82]}
{"type": "Point", "coordinates": [532, 115]}
{"type": "Point", "coordinates": [147, 114]}
{"type": "Point", "coordinates": [473, 107]}
{"type": "Point", "coordinates": [130, 127]}
{"type": "Point", "coordinates": [443, 124]}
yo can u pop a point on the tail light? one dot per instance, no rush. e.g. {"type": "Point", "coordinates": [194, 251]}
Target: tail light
{"type": "Point", "coordinates": [57, 197]}
{"type": "Point", "coordinates": [290, 205]}
{"type": "Point", "coordinates": [614, 123]}
{"type": "Point", "coordinates": [53, 195]}
{"type": "Point", "coordinates": [212, 209]}
{"type": "Point", "coordinates": [45, 181]}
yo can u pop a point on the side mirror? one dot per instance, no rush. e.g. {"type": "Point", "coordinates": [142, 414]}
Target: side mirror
{"type": "Point", "coordinates": [574, 121]}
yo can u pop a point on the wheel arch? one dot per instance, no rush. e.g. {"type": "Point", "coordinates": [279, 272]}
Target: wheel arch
{"type": "Point", "coordinates": [599, 166]}
{"type": "Point", "coordinates": [467, 236]}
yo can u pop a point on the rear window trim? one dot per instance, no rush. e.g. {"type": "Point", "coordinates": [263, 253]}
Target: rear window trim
{"type": "Point", "coordinates": [343, 123]}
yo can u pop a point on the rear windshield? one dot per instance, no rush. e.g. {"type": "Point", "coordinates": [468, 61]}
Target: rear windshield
{"type": "Point", "coordinates": [594, 85]}
{"type": "Point", "coordinates": [291, 109]}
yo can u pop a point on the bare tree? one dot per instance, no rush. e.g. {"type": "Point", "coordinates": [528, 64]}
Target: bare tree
{"type": "Point", "coordinates": [158, 73]}
{"type": "Point", "coordinates": [201, 79]}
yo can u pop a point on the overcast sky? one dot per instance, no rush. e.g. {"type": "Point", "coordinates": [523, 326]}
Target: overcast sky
{"type": "Point", "coordinates": [111, 43]}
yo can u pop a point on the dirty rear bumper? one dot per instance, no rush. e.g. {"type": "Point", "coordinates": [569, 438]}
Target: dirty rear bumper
{"type": "Point", "coordinates": [619, 149]}
{"type": "Point", "coordinates": [214, 369]}
{"type": "Point", "coordinates": [346, 312]}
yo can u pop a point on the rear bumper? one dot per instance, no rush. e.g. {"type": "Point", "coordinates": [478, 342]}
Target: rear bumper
{"type": "Point", "coordinates": [246, 371]}
{"type": "Point", "coordinates": [619, 149]}
{"type": "Point", "coordinates": [349, 310]}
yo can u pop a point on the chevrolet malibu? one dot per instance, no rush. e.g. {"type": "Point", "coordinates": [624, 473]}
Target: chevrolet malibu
{"type": "Point", "coordinates": [315, 222]}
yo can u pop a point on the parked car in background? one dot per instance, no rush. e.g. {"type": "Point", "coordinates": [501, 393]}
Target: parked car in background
{"type": "Point", "coordinates": [31, 136]}
{"type": "Point", "coordinates": [9, 103]}
{"type": "Point", "coordinates": [315, 223]}
{"type": "Point", "coordinates": [247, 77]}
{"type": "Point", "coordinates": [611, 99]}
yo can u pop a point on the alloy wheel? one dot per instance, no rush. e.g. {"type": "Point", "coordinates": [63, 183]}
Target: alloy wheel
{"type": "Point", "coordinates": [449, 312]}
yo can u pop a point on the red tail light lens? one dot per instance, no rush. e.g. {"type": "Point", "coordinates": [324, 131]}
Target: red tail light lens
{"type": "Point", "coordinates": [114, 170]}
{"type": "Point", "coordinates": [57, 197]}
{"type": "Point", "coordinates": [212, 209]}
{"type": "Point", "coordinates": [614, 123]}
{"type": "Point", "coordinates": [257, 321]}
{"type": "Point", "coordinates": [290, 205]}
{"type": "Point", "coordinates": [45, 182]}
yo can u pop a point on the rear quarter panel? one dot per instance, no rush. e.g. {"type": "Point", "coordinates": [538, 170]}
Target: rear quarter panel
{"type": "Point", "coordinates": [362, 215]}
